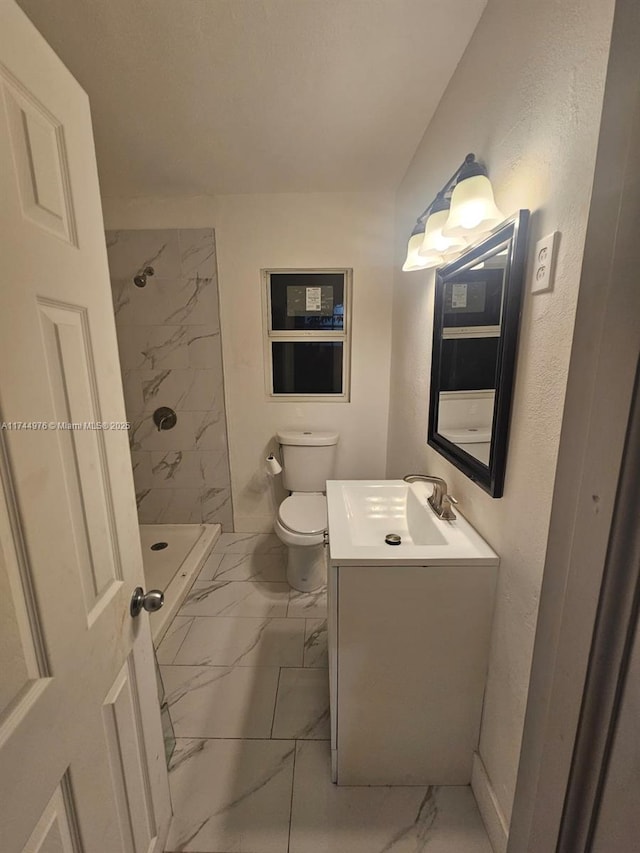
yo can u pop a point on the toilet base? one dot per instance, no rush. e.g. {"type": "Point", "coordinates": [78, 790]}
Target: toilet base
{"type": "Point", "coordinates": [307, 567]}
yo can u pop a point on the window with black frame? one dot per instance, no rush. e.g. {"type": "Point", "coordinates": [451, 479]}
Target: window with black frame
{"type": "Point", "coordinates": [307, 332]}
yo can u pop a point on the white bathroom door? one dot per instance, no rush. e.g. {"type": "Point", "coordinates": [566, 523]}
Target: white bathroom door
{"type": "Point", "coordinates": [81, 755]}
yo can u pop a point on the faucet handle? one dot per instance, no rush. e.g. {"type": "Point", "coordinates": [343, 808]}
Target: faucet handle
{"type": "Point", "coordinates": [447, 512]}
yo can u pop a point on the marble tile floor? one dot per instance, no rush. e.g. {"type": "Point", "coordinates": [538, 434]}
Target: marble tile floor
{"type": "Point", "coordinates": [245, 669]}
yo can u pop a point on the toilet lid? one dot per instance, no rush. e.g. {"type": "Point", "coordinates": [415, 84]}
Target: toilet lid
{"type": "Point", "coordinates": [304, 513]}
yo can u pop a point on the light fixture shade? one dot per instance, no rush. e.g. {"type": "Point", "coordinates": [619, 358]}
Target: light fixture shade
{"type": "Point", "coordinates": [431, 261]}
{"type": "Point", "coordinates": [473, 208]}
{"type": "Point", "coordinates": [413, 260]}
{"type": "Point", "coordinates": [435, 242]}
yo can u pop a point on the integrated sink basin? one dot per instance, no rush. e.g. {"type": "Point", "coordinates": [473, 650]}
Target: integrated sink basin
{"type": "Point", "coordinates": [362, 513]}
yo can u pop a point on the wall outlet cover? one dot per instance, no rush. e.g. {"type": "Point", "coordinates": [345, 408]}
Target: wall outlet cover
{"type": "Point", "coordinates": [544, 263]}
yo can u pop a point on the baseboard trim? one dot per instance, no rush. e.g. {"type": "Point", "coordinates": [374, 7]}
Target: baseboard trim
{"type": "Point", "coordinates": [495, 824]}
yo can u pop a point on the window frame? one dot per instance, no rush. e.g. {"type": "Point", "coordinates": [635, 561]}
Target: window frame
{"type": "Point", "coordinates": [271, 335]}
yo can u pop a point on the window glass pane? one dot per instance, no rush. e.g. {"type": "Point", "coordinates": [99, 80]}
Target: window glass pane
{"type": "Point", "coordinates": [307, 301]}
{"type": "Point", "coordinates": [307, 367]}
{"type": "Point", "coordinates": [468, 364]}
{"type": "Point", "coordinates": [473, 298]}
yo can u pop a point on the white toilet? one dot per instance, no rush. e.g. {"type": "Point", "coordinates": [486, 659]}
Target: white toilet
{"type": "Point", "coordinates": [475, 440]}
{"type": "Point", "coordinates": [307, 463]}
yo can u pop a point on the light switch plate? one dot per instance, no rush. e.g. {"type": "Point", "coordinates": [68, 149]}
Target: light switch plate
{"type": "Point", "coordinates": [544, 263]}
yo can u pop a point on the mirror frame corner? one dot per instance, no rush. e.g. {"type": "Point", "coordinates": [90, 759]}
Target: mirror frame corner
{"type": "Point", "coordinates": [513, 232]}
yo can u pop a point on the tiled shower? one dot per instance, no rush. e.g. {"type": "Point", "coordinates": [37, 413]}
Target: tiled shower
{"type": "Point", "coordinates": [171, 355]}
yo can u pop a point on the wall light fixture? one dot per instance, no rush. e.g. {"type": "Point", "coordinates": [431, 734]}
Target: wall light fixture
{"type": "Point", "coordinates": [462, 210]}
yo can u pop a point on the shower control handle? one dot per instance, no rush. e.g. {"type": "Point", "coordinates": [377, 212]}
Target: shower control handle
{"type": "Point", "coordinates": [165, 418]}
{"type": "Point", "coordinates": [149, 601]}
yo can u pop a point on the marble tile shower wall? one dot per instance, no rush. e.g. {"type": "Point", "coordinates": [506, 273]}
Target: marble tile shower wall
{"type": "Point", "coordinates": [170, 355]}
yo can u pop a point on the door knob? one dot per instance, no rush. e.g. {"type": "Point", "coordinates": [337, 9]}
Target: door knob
{"type": "Point", "coordinates": [150, 601]}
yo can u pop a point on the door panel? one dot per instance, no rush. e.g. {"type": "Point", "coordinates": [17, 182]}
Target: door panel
{"type": "Point", "coordinates": [81, 750]}
{"type": "Point", "coordinates": [24, 662]}
{"type": "Point", "coordinates": [123, 726]}
{"type": "Point", "coordinates": [56, 831]}
{"type": "Point", "coordinates": [72, 381]}
{"type": "Point", "coordinates": [40, 160]}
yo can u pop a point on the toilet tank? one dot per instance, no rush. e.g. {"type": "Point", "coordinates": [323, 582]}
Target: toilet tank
{"type": "Point", "coordinates": [308, 459]}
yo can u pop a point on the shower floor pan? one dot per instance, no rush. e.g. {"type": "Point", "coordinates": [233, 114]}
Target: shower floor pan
{"type": "Point", "coordinates": [173, 555]}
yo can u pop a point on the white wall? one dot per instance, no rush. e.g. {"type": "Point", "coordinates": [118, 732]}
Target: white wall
{"type": "Point", "coordinates": [290, 230]}
{"type": "Point", "coordinates": [526, 98]}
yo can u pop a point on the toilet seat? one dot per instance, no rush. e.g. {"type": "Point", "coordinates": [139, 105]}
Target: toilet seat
{"type": "Point", "coordinates": [304, 513]}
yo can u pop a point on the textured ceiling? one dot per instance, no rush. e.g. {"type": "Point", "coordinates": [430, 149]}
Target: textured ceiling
{"type": "Point", "coordinates": [234, 96]}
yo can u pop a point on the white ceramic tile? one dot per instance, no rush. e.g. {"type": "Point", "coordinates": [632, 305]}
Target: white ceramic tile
{"type": "Point", "coordinates": [221, 701]}
{"type": "Point", "coordinates": [190, 469]}
{"type": "Point", "coordinates": [216, 504]}
{"type": "Point", "coordinates": [226, 520]}
{"type": "Point", "coordinates": [167, 732]}
{"type": "Point", "coordinates": [214, 467]}
{"type": "Point", "coordinates": [154, 347]}
{"type": "Point", "coordinates": [166, 302]}
{"type": "Point", "coordinates": [152, 503]}
{"type": "Point", "coordinates": [190, 389]}
{"type": "Point", "coordinates": [311, 605]}
{"type": "Point", "coordinates": [327, 818]}
{"type": "Point", "coordinates": [173, 639]}
{"type": "Point", "coordinates": [228, 641]}
{"type": "Point", "coordinates": [231, 795]}
{"type": "Point", "coordinates": [210, 567]}
{"type": "Point", "coordinates": [247, 543]}
{"type": "Point", "coordinates": [121, 292]}
{"type": "Point", "coordinates": [169, 506]}
{"type": "Point", "coordinates": [221, 514]}
{"type": "Point", "coordinates": [132, 250]}
{"type": "Point", "coordinates": [132, 392]}
{"type": "Point", "coordinates": [145, 435]}
{"type": "Point", "coordinates": [316, 643]}
{"type": "Point", "coordinates": [175, 469]}
{"type": "Point", "coordinates": [236, 598]}
{"type": "Point", "coordinates": [183, 508]}
{"type": "Point", "coordinates": [211, 429]}
{"type": "Point", "coordinates": [189, 301]}
{"type": "Point", "coordinates": [302, 707]}
{"type": "Point", "coordinates": [197, 252]}
{"type": "Point", "coordinates": [204, 346]}
{"type": "Point", "coordinates": [149, 347]}
{"type": "Point", "coordinates": [260, 567]}
{"type": "Point", "coordinates": [141, 464]}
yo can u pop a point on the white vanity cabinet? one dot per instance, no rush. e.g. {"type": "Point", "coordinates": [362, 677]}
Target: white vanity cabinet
{"type": "Point", "coordinates": [408, 652]}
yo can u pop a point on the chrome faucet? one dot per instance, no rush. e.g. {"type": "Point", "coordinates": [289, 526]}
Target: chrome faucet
{"type": "Point", "coordinates": [440, 502]}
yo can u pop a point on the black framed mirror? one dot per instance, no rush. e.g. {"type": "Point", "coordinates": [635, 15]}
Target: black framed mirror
{"type": "Point", "coordinates": [475, 336]}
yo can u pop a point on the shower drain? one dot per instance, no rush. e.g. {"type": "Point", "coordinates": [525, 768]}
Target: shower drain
{"type": "Point", "coordinates": [159, 546]}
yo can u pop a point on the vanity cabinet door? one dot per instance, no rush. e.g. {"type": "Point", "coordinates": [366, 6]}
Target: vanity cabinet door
{"type": "Point", "coordinates": [413, 647]}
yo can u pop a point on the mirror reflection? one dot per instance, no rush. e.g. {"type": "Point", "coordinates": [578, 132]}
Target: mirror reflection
{"type": "Point", "coordinates": [476, 318]}
{"type": "Point", "coordinates": [471, 323]}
